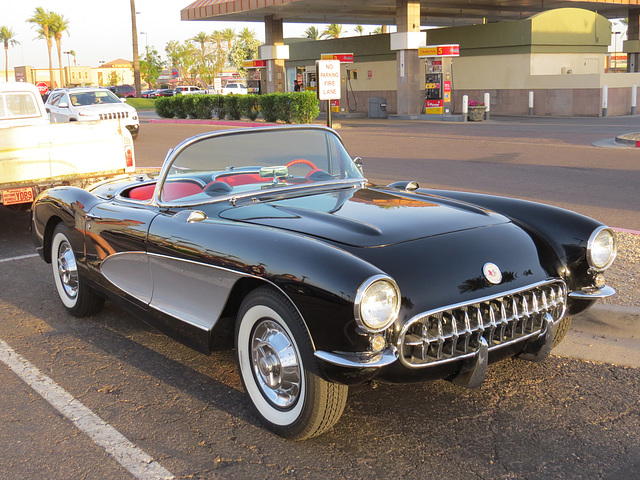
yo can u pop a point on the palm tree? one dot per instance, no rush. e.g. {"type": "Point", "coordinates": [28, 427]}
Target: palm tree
{"type": "Point", "coordinates": [43, 19]}
{"type": "Point", "coordinates": [229, 34]}
{"type": "Point", "coordinates": [312, 32]}
{"type": "Point", "coordinates": [7, 38]}
{"type": "Point", "coordinates": [247, 36]}
{"type": "Point", "coordinates": [202, 39]}
{"type": "Point", "coordinates": [378, 30]}
{"type": "Point", "coordinates": [217, 38]}
{"type": "Point", "coordinates": [57, 28]}
{"type": "Point", "coordinates": [359, 30]}
{"type": "Point", "coordinates": [333, 31]}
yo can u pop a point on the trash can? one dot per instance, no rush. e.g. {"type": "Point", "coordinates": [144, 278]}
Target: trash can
{"type": "Point", "coordinates": [377, 107]}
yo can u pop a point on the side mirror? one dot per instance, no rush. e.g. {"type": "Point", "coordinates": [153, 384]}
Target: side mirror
{"type": "Point", "coordinates": [359, 164]}
{"type": "Point", "coordinates": [63, 105]}
{"type": "Point", "coordinates": [123, 100]}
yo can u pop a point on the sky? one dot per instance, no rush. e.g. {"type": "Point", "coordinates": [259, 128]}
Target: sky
{"type": "Point", "coordinates": [100, 31]}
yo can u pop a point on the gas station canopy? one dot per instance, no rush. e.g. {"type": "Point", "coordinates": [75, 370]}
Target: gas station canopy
{"type": "Point", "coordinates": [383, 12]}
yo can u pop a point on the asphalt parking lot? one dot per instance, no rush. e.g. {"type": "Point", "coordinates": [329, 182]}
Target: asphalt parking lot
{"type": "Point", "coordinates": [156, 409]}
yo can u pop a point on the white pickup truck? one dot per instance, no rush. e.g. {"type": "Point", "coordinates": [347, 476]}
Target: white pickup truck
{"type": "Point", "coordinates": [36, 154]}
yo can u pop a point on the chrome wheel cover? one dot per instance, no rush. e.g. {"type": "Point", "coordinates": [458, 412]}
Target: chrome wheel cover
{"type": "Point", "coordinates": [67, 270]}
{"type": "Point", "coordinates": [275, 364]}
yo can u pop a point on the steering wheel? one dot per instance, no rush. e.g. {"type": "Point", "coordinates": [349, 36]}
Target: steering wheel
{"type": "Point", "coordinates": [303, 161]}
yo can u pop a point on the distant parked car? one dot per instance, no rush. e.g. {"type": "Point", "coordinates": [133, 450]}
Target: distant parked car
{"type": "Point", "coordinates": [125, 91]}
{"type": "Point", "coordinates": [188, 90]}
{"type": "Point", "coordinates": [149, 94]}
{"type": "Point", "coordinates": [86, 104]}
{"type": "Point", "coordinates": [165, 92]}
{"type": "Point", "coordinates": [234, 88]}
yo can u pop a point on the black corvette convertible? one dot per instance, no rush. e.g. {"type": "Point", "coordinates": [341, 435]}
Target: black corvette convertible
{"type": "Point", "coordinates": [270, 240]}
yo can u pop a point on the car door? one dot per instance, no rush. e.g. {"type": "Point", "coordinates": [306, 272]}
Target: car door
{"type": "Point", "coordinates": [116, 247]}
{"type": "Point", "coordinates": [58, 113]}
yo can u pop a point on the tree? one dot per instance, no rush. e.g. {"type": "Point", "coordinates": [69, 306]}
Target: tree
{"type": "Point", "coordinates": [245, 48]}
{"type": "Point", "coordinates": [7, 38]}
{"type": "Point", "coordinates": [43, 19]}
{"type": "Point", "coordinates": [58, 26]}
{"type": "Point", "coordinates": [229, 35]}
{"type": "Point", "coordinates": [202, 39]}
{"type": "Point", "coordinates": [312, 32]}
{"type": "Point", "coordinates": [359, 30]}
{"type": "Point", "coordinates": [151, 67]}
{"type": "Point", "coordinates": [219, 52]}
{"type": "Point", "coordinates": [184, 57]}
{"type": "Point", "coordinates": [113, 79]}
{"type": "Point", "coordinates": [332, 31]}
{"type": "Point", "coordinates": [378, 30]}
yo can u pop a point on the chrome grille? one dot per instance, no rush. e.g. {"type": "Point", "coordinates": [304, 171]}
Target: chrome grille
{"type": "Point", "coordinates": [113, 115]}
{"type": "Point", "coordinates": [454, 332]}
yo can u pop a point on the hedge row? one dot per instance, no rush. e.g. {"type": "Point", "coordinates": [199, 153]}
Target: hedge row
{"type": "Point", "coordinates": [296, 107]}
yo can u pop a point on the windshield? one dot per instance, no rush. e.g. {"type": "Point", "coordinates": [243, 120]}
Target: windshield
{"type": "Point", "coordinates": [93, 98]}
{"type": "Point", "coordinates": [256, 160]}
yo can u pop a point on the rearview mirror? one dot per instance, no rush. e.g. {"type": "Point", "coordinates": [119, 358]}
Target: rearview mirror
{"type": "Point", "coordinates": [274, 172]}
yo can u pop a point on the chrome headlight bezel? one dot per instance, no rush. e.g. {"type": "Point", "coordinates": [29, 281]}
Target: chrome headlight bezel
{"type": "Point", "coordinates": [370, 324]}
{"type": "Point", "coordinates": [602, 238]}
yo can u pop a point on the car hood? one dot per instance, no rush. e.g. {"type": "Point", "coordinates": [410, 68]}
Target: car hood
{"type": "Point", "coordinates": [366, 217]}
{"type": "Point", "coordinates": [105, 107]}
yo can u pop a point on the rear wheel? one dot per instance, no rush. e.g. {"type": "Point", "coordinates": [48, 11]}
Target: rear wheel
{"type": "Point", "coordinates": [78, 298]}
{"type": "Point", "coordinates": [275, 360]}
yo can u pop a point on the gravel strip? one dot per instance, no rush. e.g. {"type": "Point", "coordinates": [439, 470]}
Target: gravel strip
{"type": "Point", "coordinates": [624, 274]}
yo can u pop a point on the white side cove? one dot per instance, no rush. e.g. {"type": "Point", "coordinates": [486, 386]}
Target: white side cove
{"type": "Point", "coordinates": [189, 291]}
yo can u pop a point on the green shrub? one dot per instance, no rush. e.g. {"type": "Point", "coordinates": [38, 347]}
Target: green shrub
{"type": "Point", "coordinates": [217, 105]}
{"type": "Point", "coordinates": [177, 106]}
{"type": "Point", "coordinates": [232, 107]}
{"type": "Point", "coordinates": [248, 105]}
{"type": "Point", "coordinates": [283, 105]}
{"type": "Point", "coordinates": [163, 107]}
{"type": "Point", "coordinates": [203, 107]}
{"type": "Point", "coordinates": [188, 105]}
{"type": "Point", "coordinates": [269, 107]}
{"type": "Point", "coordinates": [304, 107]}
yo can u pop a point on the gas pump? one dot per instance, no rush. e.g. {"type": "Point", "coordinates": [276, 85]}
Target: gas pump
{"type": "Point", "coordinates": [438, 77]}
{"type": "Point", "coordinates": [254, 83]}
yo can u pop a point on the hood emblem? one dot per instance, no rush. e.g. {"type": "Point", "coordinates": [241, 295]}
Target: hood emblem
{"type": "Point", "coordinates": [492, 273]}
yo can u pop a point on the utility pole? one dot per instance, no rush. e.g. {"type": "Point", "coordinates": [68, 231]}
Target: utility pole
{"type": "Point", "coordinates": [136, 59]}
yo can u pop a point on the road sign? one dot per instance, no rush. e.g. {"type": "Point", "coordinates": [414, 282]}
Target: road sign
{"type": "Point", "coordinates": [328, 76]}
{"type": "Point", "coordinates": [42, 88]}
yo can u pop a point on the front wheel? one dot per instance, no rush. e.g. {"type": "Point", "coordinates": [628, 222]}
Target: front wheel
{"type": "Point", "coordinates": [77, 297]}
{"type": "Point", "coordinates": [561, 331]}
{"type": "Point", "coordinates": [275, 358]}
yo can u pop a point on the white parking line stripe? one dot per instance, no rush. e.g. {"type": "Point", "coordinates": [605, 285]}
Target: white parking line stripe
{"type": "Point", "coordinates": [21, 257]}
{"type": "Point", "coordinates": [139, 464]}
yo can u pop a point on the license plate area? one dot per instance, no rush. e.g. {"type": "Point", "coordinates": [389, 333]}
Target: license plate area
{"type": "Point", "coordinates": [14, 196]}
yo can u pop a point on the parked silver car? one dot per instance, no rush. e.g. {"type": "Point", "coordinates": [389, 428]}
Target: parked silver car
{"type": "Point", "coordinates": [85, 104]}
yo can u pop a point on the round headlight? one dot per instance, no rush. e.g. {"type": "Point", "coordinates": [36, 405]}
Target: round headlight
{"type": "Point", "coordinates": [377, 303]}
{"type": "Point", "coordinates": [602, 248]}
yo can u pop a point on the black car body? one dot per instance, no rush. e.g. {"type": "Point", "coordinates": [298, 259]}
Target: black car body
{"type": "Point", "coordinates": [271, 240]}
{"type": "Point", "coordinates": [165, 92]}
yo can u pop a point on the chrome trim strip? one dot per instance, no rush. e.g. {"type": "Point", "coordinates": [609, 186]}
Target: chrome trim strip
{"type": "Point", "coordinates": [348, 360]}
{"type": "Point", "coordinates": [592, 294]}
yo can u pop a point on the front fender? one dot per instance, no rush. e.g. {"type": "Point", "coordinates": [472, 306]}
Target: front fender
{"type": "Point", "coordinates": [321, 279]}
{"type": "Point", "coordinates": [565, 232]}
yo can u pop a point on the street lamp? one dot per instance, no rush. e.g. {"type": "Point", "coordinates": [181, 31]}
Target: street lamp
{"type": "Point", "coordinates": [66, 74]}
{"type": "Point", "coordinates": [146, 46]}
